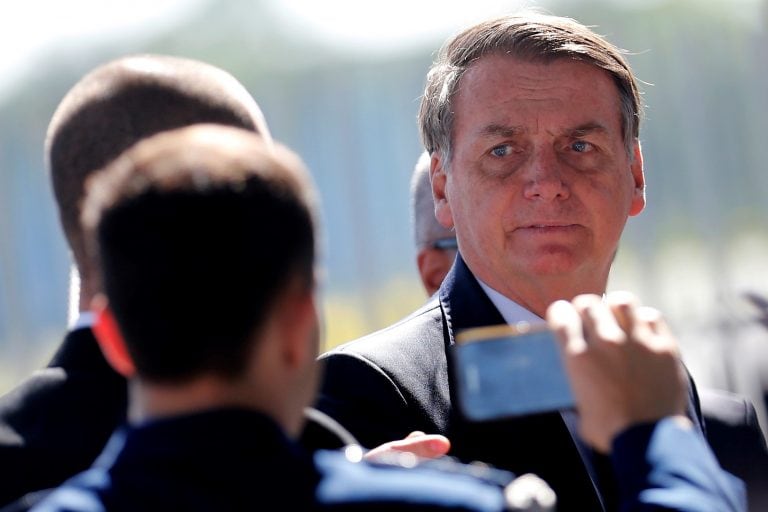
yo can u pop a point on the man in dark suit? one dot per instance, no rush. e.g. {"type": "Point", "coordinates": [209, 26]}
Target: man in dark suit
{"type": "Point", "coordinates": [56, 422]}
{"type": "Point", "coordinates": [532, 125]}
{"type": "Point", "coordinates": [205, 241]}
{"type": "Point", "coordinates": [730, 420]}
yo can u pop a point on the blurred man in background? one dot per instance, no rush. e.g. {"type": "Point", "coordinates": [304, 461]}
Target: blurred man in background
{"type": "Point", "coordinates": [435, 245]}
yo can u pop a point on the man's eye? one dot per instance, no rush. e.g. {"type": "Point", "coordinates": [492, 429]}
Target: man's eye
{"type": "Point", "coordinates": [502, 150]}
{"type": "Point", "coordinates": [580, 146]}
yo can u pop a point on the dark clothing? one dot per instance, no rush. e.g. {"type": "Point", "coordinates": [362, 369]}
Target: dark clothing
{"type": "Point", "coordinates": [233, 459]}
{"type": "Point", "coordinates": [385, 385]}
{"type": "Point", "coordinates": [56, 422]}
{"type": "Point", "coordinates": [660, 466]}
{"type": "Point", "coordinates": [734, 434]}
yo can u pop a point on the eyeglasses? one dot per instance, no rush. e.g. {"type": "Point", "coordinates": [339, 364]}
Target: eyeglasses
{"type": "Point", "coordinates": [445, 244]}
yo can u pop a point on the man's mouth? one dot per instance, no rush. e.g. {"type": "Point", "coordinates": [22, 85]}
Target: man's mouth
{"type": "Point", "coordinates": [548, 229]}
{"type": "Point", "coordinates": [550, 225]}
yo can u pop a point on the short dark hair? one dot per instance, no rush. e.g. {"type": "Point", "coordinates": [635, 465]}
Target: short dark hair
{"type": "Point", "coordinates": [531, 36]}
{"type": "Point", "coordinates": [197, 232]}
{"type": "Point", "coordinates": [125, 100]}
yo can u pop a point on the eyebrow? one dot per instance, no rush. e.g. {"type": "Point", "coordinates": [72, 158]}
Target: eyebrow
{"type": "Point", "coordinates": [586, 129]}
{"type": "Point", "coordinates": [500, 130]}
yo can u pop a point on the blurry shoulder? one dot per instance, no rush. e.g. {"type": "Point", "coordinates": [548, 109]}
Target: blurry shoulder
{"type": "Point", "coordinates": [726, 407]}
{"type": "Point", "coordinates": [84, 492]}
{"type": "Point", "coordinates": [405, 483]}
{"type": "Point", "coordinates": [423, 328]}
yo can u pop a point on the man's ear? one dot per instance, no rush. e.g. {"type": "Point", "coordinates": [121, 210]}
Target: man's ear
{"type": "Point", "coordinates": [438, 178]}
{"type": "Point", "coordinates": [110, 339]}
{"type": "Point", "coordinates": [300, 325]}
{"type": "Point", "coordinates": [638, 194]}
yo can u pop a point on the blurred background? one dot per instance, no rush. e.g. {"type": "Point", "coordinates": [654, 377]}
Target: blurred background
{"type": "Point", "coordinates": [339, 81]}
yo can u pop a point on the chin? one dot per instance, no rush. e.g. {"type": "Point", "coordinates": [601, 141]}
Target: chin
{"type": "Point", "coordinates": [555, 263]}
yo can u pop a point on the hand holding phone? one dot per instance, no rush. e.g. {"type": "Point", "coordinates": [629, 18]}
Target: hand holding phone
{"type": "Point", "coordinates": [623, 364]}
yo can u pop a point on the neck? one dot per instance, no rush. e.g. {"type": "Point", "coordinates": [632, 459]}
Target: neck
{"type": "Point", "coordinates": [536, 295]}
{"type": "Point", "coordinates": [152, 400]}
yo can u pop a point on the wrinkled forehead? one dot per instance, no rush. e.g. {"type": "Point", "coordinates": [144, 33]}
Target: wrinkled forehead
{"type": "Point", "coordinates": [520, 95]}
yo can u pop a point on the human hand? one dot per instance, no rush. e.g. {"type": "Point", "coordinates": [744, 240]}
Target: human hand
{"type": "Point", "coordinates": [622, 362]}
{"type": "Point", "coordinates": [427, 446]}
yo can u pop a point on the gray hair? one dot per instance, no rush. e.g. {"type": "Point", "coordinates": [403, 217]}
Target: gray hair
{"type": "Point", "coordinates": [426, 229]}
{"type": "Point", "coordinates": [531, 36]}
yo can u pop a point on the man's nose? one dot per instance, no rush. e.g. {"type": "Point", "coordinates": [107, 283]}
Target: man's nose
{"type": "Point", "coordinates": [545, 176]}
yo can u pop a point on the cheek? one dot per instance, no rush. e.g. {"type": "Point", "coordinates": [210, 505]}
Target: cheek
{"type": "Point", "coordinates": [610, 208]}
{"type": "Point", "coordinates": [484, 221]}
{"type": "Point", "coordinates": [482, 206]}
{"type": "Point", "coordinates": [609, 192]}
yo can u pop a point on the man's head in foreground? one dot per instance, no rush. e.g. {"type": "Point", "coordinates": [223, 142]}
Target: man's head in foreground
{"type": "Point", "coordinates": [205, 241]}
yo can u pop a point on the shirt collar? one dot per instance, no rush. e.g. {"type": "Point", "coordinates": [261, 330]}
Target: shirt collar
{"type": "Point", "coordinates": [84, 319]}
{"type": "Point", "coordinates": [511, 311]}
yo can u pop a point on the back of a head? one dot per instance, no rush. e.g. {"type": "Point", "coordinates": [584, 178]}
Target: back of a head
{"type": "Point", "coordinates": [197, 231]}
{"type": "Point", "coordinates": [128, 99]}
{"type": "Point", "coordinates": [426, 228]}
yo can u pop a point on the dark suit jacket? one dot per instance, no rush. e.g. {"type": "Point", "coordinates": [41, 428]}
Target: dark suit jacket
{"type": "Point", "coordinates": [57, 421]}
{"type": "Point", "coordinates": [385, 385]}
{"type": "Point", "coordinates": [734, 434]}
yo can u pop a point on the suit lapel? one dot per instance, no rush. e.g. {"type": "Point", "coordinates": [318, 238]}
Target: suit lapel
{"type": "Point", "coordinates": [540, 444]}
{"type": "Point", "coordinates": [464, 302]}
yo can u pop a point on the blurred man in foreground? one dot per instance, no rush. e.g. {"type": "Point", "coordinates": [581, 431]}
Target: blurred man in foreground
{"type": "Point", "coordinates": [56, 422]}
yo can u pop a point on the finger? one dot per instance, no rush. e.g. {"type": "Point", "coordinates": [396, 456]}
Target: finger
{"type": "Point", "coordinates": [639, 323]}
{"type": "Point", "coordinates": [661, 335]}
{"type": "Point", "coordinates": [428, 446]}
{"type": "Point", "coordinates": [650, 317]}
{"type": "Point", "coordinates": [621, 302]}
{"type": "Point", "coordinates": [599, 324]}
{"type": "Point", "coordinates": [580, 302]}
{"type": "Point", "coordinates": [565, 321]}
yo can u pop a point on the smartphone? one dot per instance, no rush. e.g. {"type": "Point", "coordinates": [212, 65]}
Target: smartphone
{"type": "Point", "coordinates": [504, 371]}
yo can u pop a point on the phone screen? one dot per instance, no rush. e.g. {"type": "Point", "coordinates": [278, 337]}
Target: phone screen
{"type": "Point", "coordinates": [505, 371]}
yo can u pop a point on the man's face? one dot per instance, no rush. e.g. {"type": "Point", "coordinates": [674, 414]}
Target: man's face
{"type": "Point", "coordinates": [434, 261]}
{"type": "Point", "coordinates": [540, 184]}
